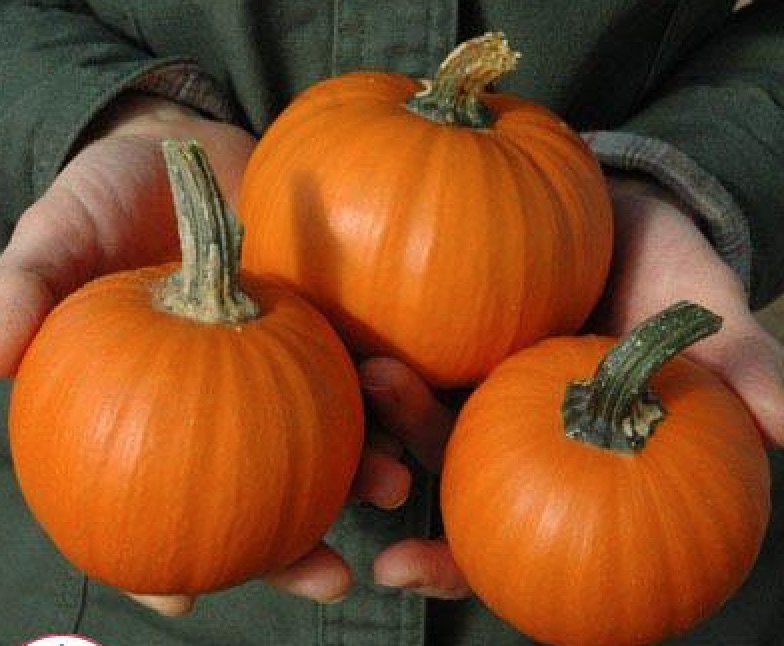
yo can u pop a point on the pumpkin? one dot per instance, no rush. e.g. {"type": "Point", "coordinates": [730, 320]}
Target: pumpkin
{"type": "Point", "coordinates": [593, 495]}
{"type": "Point", "coordinates": [433, 222]}
{"type": "Point", "coordinates": [180, 429]}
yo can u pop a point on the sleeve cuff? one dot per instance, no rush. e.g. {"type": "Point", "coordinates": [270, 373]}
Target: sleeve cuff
{"type": "Point", "coordinates": [715, 209]}
{"type": "Point", "coordinates": [185, 83]}
{"type": "Point", "coordinates": [171, 78]}
{"type": "Point", "coordinates": [179, 80]}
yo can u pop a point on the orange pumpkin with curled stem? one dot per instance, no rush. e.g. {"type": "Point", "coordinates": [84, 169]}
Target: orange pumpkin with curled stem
{"type": "Point", "coordinates": [183, 429]}
{"type": "Point", "coordinates": [593, 496]}
{"type": "Point", "coordinates": [438, 223]}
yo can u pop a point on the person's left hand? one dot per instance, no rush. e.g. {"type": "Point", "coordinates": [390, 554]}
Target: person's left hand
{"type": "Point", "coordinates": [407, 409]}
{"type": "Point", "coordinates": [660, 257]}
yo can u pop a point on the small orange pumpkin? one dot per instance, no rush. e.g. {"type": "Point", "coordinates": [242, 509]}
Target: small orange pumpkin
{"type": "Point", "coordinates": [175, 434]}
{"type": "Point", "coordinates": [436, 223]}
{"type": "Point", "coordinates": [603, 511]}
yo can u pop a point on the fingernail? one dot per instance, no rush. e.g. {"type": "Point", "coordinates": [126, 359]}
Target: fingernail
{"type": "Point", "coordinates": [327, 589]}
{"type": "Point", "coordinates": [380, 392]}
{"type": "Point", "coordinates": [334, 600]}
{"type": "Point", "coordinates": [168, 606]}
{"type": "Point", "coordinates": [388, 503]}
{"type": "Point", "coordinates": [403, 582]}
{"type": "Point", "coordinates": [446, 594]}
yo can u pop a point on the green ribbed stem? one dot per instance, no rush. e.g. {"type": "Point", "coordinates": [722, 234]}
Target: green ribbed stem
{"type": "Point", "coordinates": [207, 287]}
{"type": "Point", "coordinates": [616, 409]}
{"type": "Point", "coordinates": [454, 96]}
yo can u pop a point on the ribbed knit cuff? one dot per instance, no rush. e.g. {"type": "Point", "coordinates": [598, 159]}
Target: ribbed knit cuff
{"type": "Point", "coordinates": [714, 208]}
{"type": "Point", "coordinates": [185, 83]}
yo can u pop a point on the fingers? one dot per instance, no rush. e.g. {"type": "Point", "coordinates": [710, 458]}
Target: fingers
{"type": "Point", "coordinates": [49, 253]}
{"type": "Point", "coordinates": [322, 575]}
{"type": "Point", "coordinates": [756, 375]}
{"type": "Point", "coordinates": [405, 406]}
{"type": "Point", "coordinates": [419, 565]}
{"type": "Point", "coordinates": [168, 606]}
{"type": "Point", "coordinates": [25, 300]}
{"type": "Point", "coordinates": [423, 566]}
{"type": "Point", "coordinates": [381, 480]}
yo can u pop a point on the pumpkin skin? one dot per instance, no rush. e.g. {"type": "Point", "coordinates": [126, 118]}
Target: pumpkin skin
{"type": "Point", "coordinates": [445, 246]}
{"type": "Point", "coordinates": [578, 545]}
{"type": "Point", "coordinates": [168, 455]}
{"type": "Point", "coordinates": [164, 455]}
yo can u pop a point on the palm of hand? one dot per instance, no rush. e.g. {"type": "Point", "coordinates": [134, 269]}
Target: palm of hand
{"type": "Point", "coordinates": [109, 209]}
{"type": "Point", "coordinates": [662, 257]}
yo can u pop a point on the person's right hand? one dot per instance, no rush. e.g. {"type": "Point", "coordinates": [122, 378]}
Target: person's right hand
{"type": "Point", "coordinates": [111, 208]}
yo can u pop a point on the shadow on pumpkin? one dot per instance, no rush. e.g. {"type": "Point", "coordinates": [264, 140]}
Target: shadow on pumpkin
{"type": "Point", "coordinates": [318, 269]}
{"type": "Point", "coordinates": [319, 276]}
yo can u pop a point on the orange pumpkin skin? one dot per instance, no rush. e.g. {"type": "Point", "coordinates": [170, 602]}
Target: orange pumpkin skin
{"type": "Point", "coordinates": [164, 455]}
{"type": "Point", "coordinates": [447, 247]}
{"type": "Point", "coordinates": [577, 545]}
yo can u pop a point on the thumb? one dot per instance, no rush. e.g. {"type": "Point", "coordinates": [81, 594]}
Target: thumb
{"type": "Point", "coordinates": [25, 300]}
{"type": "Point", "coordinates": [751, 362]}
{"type": "Point", "coordinates": [47, 257]}
{"type": "Point", "coordinates": [87, 223]}
{"type": "Point", "coordinates": [406, 407]}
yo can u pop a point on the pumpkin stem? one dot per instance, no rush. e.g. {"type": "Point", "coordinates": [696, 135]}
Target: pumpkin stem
{"type": "Point", "coordinates": [454, 96]}
{"type": "Point", "coordinates": [616, 408]}
{"type": "Point", "coordinates": [207, 287]}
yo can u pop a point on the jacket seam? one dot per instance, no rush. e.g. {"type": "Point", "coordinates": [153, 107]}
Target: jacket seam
{"type": "Point", "coordinates": [665, 41]}
{"type": "Point", "coordinates": [52, 152]}
{"type": "Point", "coordinates": [335, 36]}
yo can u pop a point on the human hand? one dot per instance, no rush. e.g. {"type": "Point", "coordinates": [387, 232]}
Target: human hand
{"type": "Point", "coordinates": [662, 257]}
{"type": "Point", "coordinates": [110, 209]}
{"type": "Point", "coordinates": [409, 411]}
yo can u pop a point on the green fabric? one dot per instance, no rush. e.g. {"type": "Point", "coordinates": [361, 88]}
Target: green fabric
{"type": "Point", "coordinates": [677, 70]}
{"type": "Point", "coordinates": [723, 108]}
{"type": "Point", "coordinates": [665, 69]}
{"type": "Point", "coordinates": [57, 69]}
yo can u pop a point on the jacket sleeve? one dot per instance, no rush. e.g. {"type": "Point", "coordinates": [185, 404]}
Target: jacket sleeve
{"type": "Point", "coordinates": [714, 132]}
{"type": "Point", "coordinates": [59, 66]}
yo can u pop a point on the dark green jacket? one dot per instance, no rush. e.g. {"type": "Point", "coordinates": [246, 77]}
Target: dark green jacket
{"type": "Point", "coordinates": [689, 73]}
{"type": "Point", "coordinates": [685, 90]}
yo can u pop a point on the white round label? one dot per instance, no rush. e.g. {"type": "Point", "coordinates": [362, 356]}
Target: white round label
{"type": "Point", "coordinates": [62, 640]}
